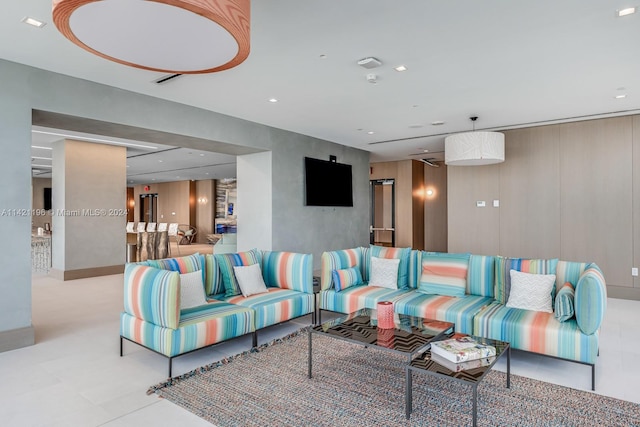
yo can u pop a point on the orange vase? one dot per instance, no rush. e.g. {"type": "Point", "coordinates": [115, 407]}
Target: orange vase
{"type": "Point", "coordinates": [385, 315]}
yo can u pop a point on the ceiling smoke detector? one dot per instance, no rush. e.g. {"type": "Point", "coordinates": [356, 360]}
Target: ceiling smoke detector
{"type": "Point", "coordinates": [369, 62]}
{"type": "Point", "coordinates": [372, 78]}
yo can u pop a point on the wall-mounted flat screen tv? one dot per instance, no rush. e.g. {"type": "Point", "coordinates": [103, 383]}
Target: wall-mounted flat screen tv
{"type": "Point", "coordinates": [327, 183]}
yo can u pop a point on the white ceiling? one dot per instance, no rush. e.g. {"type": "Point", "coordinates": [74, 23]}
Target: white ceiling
{"type": "Point", "coordinates": [513, 64]}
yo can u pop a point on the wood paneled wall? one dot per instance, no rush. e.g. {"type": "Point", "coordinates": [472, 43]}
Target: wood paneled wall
{"type": "Point", "coordinates": [435, 208]}
{"type": "Point", "coordinates": [568, 191]}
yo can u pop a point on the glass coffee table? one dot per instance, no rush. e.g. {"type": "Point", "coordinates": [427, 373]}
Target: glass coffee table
{"type": "Point", "coordinates": [410, 336]}
{"type": "Point", "coordinates": [469, 373]}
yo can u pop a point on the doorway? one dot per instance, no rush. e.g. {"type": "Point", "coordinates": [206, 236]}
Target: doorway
{"type": "Point", "coordinates": [149, 207]}
{"type": "Point", "coordinates": [382, 230]}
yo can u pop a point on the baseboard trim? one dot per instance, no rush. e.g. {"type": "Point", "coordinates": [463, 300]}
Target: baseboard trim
{"type": "Point", "coordinates": [623, 292]}
{"type": "Point", "coordinates": [83, 273]}
{"type": "Point", "coordinates": [16, 338]}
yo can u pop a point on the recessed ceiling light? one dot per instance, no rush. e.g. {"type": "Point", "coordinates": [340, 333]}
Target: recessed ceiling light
{"type": "Point", "coordinates": [153, 179]}
{"type": "Point", "coordinates": [437, 123]}
{"type": "Point", "coordinates": [273, 100]}
{"type": "Point", "coordinates": [415, 106]}
{"type": "Point", "coordinates": [400, 68]}
{"type": "Point", "coordinates": [33, 22]}
{"type": "Point", "coordinates": [207, 173]}
{"type": "Point", "coordinates": [41, 148]}
{"type": "Point", "coordinates": [620, 96]}
{"type": "Point", "coordinates": [201, 154]}
{"type": "Point", "coordinates": [323, 56]}
{"type": "Point", "coordinates": [425, 151]}
{"type": "Point", "coordinates": [371, 132]}
{"type": "Point", "coordinates": [415, 126]}
{"type": "Point", "coordinates": [626, 11]}
{"type": "Point", "coordinates": [160, 161]}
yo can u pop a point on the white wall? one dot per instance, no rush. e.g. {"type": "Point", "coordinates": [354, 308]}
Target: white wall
{"type": "Point", "coordinates": [254, 201]}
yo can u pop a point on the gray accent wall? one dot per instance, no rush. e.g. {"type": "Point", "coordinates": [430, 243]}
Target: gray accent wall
{"type": "Point", "coordinates": [567, 191]}
{"type": "Point", "coordinates": [293, 227]}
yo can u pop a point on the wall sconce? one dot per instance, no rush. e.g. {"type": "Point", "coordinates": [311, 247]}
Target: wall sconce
{"type": "Point", "coordinates": [430, 192]}
{"type": "Point", "coordinates": [202, 200]}
{"type": "Point", "coordinates": [132, 203]}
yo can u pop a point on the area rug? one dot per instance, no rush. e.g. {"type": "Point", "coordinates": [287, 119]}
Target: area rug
{"type": "Point", "coordinates": [357, 386]}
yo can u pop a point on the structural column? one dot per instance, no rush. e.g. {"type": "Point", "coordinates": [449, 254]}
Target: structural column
{"type": "Point", "coordinates": [89, 209]}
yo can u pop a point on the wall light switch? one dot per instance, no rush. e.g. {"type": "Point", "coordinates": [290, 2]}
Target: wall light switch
{"type": "Point", "coordinates": [496, 203]}
{"type": "Point", "coordinates": [480, 204]}
{"type": "Point", "coordinates": [634, 271]}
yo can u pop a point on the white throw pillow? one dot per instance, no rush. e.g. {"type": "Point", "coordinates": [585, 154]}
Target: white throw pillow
{"type": "Point", "coordinates": [250, 279]}
{"type": "Point", "coordinates": [531, 291]}
{"type": "Point", "coordinates": [191, 290]}
{"type": "Point", "coordinates": [384, 272]}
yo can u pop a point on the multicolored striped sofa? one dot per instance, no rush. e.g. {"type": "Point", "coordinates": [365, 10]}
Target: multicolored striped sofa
{"type": "Point", "coordinates": [480, 308]}
{"type": "Point", "coordinates": [152, 316]}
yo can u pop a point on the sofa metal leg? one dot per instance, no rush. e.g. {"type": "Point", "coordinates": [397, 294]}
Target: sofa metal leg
{"type": "Point", "coordinates": [170, 366]}
{"type": "Point", "coordinates": [254, 338]}
{"type": "Point", "coordinates": [593, 377]}
{"type": "Point", "coordinates": [121, 345]}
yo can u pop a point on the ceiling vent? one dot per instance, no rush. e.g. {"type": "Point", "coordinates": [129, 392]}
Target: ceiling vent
{"type": "Point", "coordinates": [369, 62]}
{"type": "Point", "coordinates": [166, 79]}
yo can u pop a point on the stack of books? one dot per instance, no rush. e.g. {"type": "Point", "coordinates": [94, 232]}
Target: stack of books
{"type": "Point", "coordinates": [458, 354]}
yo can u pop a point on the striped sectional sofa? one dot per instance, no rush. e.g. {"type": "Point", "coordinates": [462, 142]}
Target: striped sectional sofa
{"type": "Point", "coordinates": [473, 295]}
{"type": "Point", "coordinates": [152, 316]}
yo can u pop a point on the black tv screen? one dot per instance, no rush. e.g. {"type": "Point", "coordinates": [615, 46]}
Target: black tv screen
{"type": "Point", "coordinates": [327, 183]}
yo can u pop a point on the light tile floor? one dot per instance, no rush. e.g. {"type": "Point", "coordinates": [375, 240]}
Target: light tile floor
{"type": "Point", "coordinates": [73, 375]}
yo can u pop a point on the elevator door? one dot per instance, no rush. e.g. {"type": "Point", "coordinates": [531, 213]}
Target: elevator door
{"type": "Point", "coordinates": [148, 207]}
{"type": "Point", "coordinates": [382, 231]}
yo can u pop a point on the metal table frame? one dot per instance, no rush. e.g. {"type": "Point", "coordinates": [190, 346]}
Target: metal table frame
{"type": "Point", "coordinates": [409, 391]}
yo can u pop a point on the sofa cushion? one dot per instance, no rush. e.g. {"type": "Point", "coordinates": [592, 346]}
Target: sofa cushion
{"type": "Point", "coordinates": [212, 277]}
{"type": "Point", "coordinates": [357, 297]}
{"type": "Point", "coordinates": [346, 277]}
{"type": "Point", "coordinates": [144, 285]}
{"type": "Point", "coordinates": [393, 253]}
{"type": "Point", "coordinates": [191, 290]}
{"type": "Point", "coordinates": [590, 299]}
{"type": "Point", "coordinates": [563, 309]}
{"type": "Point", "coordinates": [480, 275]}
{"type": "Point", "coordinates": [569, 271]}
{"type": "Point", "coordinates": [384, 272]}
{"type": "Point", "coordinates": [288, 270]}
{"type": "Point", "coordinates": [249, 279]}
{"type": "Point", "coordinates": [537, 332]}
{"type": "Point", "coordinates": [503, 266]}
{"type": "Point", "coordinates": [337, 260]}
{"type": "Point", "coordinates": [444, 274]}
{"type": "Point", "coordinates": [531, 291]}
{"type": "Point", "coordinates": [276, 306]}
{"type": "Point", "coordinates": [439, 307]}
{"type": "Point", "coordinates": [226, 262]}
{"type": "Point", "coordinates": [185, 264]}
{"type": "Point", "coordinates": [201, 326]}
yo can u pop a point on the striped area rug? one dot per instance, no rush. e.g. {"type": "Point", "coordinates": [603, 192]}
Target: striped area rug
{"type": "Point", "coordinates": [357, 386]}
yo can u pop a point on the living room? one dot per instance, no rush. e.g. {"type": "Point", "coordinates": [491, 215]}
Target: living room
{"type": "Point", "coordinates": [567, 188]}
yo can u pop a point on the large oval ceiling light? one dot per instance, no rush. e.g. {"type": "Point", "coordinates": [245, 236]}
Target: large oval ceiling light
{"type": "Point", "coordinates": [474, 148]}
{"type": "Point", "coordinates": [170, 36]}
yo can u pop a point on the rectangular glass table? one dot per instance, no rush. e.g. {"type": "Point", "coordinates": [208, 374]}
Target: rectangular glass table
{"type": "Point", "coordinates": [472, 375]}
{"type": "Point", "coordinates": [410, 335]}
